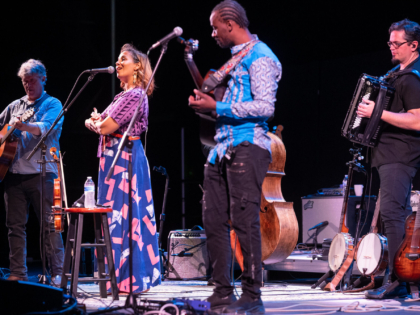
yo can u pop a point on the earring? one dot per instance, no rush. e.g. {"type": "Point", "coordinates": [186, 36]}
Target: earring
{"type": "Point", "coordinates": [134, 78]}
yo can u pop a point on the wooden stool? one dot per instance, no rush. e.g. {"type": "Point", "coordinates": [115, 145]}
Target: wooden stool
{"type": "Point", "coordinates": [73, 251]}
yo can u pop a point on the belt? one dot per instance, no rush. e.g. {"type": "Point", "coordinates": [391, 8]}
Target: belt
{"type": "Point", "coordinates": [120, 136]}
{"type": "Point", "coordinates": [116, 135]}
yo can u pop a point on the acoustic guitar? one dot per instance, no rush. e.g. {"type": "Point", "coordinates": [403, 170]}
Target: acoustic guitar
{"type": "Point", "coordinates": [207, 120]}
{"type": "Point", "coordinates": [406, 260]}
{"type": "Point", "coordinates": [9, 143]}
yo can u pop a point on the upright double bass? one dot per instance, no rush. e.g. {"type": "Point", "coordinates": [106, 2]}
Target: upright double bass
{"type": "Point", "coordinates": [278, 223]}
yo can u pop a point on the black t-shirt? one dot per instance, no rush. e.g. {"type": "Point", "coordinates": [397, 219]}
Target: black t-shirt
{"type": "Point", "coordinates": [397, 145]}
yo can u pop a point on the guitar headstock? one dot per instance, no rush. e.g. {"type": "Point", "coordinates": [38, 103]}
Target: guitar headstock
{"type": "Point", "coordinates": [191, 46]}
{"type": "Point", "coordinates": [28, 114]}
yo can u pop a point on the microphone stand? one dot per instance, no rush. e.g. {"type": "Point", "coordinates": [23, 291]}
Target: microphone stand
{"type": "Point", "coordinates": [162, 170]}
{"type": "Point", "coordinates": [41, 144]}
{"type": "Point", "coordinates": [131, 301]}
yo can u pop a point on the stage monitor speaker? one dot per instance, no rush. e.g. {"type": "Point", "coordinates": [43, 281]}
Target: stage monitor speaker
{"type": "Point", "coordinates": [317, 209]}
{"type": "Point", "coordinates": [187, 255]}
{"type": "Point", "coordinates": [21, 297]}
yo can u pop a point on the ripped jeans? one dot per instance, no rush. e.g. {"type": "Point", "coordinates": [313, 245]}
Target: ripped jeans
{"type": "Point", "coordinates": [232, 190]}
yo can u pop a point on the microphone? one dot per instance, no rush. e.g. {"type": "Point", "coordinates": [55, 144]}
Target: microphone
{"type": "Point", "coordinates": [175, 33]}
{"type": "Point", "coordinates": [109, 70]}
{"type": "Point", "coordinates": [319, 225]}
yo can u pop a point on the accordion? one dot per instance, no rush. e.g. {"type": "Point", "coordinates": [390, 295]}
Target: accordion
{"type": "Point", "coordinates": [367, 131]}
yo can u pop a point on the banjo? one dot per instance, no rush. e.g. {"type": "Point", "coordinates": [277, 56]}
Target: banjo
{"type": "Point", "coordinates": [341, 252]}
{"type": "Point", "coordinates": [372, 251]}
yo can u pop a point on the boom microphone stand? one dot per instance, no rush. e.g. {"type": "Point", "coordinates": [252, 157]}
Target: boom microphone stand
{"type": "Point", "coordinates": [41, 144]}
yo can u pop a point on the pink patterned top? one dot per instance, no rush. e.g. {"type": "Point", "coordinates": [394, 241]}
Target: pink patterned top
{"type": "Point", "coordinates": [122, 110]}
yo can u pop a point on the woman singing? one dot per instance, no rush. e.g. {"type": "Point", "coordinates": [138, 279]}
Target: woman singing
{"type": "Point", "coordinates": [134, 71]}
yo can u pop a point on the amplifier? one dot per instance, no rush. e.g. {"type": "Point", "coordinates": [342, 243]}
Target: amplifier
{"type": "Point", "coordinates": [187, 255]}
{"type": "Point", "coordinates": [316, 209]}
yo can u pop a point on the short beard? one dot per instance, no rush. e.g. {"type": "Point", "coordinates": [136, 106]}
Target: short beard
{"type": "Point", "coordinates": [395, 61]}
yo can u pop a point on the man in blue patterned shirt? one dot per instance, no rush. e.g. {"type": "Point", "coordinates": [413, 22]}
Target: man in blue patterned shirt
{"type": "Point", "coordinates": [237, 165]}
{"type": "Point", "coordinates": [22, 184]}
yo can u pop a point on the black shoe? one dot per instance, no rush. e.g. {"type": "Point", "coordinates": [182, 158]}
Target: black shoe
{"type": "Point", "coordinates": [245, 305]}
{"type": "Point", "coordinates": [56, 281]}
{"type": "Point", "coordinates": [211, 282]}
{"type": "Point", "coordinates": [218, 303]}
{"type": "Point", "coordinates": [389, 290]}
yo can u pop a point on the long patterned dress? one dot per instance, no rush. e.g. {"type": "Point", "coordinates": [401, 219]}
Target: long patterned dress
{"type": "Point", "coordinates": [115, 193]}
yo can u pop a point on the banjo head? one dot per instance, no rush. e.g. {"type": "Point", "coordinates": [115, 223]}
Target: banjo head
{"type": "Point", "coordinates": [338, 250]}
{"type": "Point", "coordinates": [370, 254]}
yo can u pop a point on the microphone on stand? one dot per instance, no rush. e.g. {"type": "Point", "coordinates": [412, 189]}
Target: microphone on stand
{"type": "Point", "coordinates": [109, 70]}
{"type": "Point", "coordinates": [319, 225]}
{"type": "Point", "coordinates": [175, 33]}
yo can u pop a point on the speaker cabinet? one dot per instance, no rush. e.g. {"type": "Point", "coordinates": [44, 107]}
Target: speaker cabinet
{"type": "Point", "coordinates": [316, 209]}
{"type": "Point", "coordinates": [21, 297]}
{"type": "Point", "coordinates": [187, 255]}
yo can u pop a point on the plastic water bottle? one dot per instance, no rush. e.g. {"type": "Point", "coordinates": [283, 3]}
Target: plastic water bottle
{"type": "Point", "coordinates": [89, 193]}
{"type": "Point", "coordinates": [344, 185]}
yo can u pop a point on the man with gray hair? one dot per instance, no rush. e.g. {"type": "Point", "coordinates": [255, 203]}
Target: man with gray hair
{"type": "Point", "coordinates": [22, 184]}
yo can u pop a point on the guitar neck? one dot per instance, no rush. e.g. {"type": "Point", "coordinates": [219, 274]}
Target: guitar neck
{"type": "Point", "coordinates": [416, 237]}
{"type": "Point", "coordinates": [7, 135]}
{"type": "Point", "coordinates": [192, 67]}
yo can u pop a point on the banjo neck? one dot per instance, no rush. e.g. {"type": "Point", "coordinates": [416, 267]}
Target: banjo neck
{"type": "Point", "coordinates": [342, 228]}
{"type": "Point", "coordinates": [374, 225]}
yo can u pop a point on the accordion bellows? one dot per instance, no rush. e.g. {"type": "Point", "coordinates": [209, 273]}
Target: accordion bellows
{"type": "Point", "coordinates": [367, 131]}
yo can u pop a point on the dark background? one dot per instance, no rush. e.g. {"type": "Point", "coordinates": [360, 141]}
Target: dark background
{"type": "Point", "coordinates": [323, 46]}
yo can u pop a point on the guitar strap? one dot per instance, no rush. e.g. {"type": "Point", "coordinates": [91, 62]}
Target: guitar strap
{"type": "Point", "coordinates": [340, 274]}
{"type": "Point", "coordinates": [217, 77]}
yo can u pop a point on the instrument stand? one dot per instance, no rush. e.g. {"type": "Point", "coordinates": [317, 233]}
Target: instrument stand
{"type": "Point", "coordinates": [414, 289]}
{"type": "Point", "coordinates": [163, 260]}
{"type": "Point", "coordinates": [322, 281]}
{"type": "Point", "coordinates": [353, 165]}
{"type": "Point", "coordinates": [41, 144]}
{"type": "Point", "coordinates": [43, 278]}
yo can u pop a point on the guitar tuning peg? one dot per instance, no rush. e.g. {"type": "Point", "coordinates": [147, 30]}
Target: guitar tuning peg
{"type": "Point", "coordinates": [361, 157]}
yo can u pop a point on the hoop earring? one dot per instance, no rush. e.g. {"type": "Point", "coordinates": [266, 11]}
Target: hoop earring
{"type": "Point", "coordinates": [134, 78]}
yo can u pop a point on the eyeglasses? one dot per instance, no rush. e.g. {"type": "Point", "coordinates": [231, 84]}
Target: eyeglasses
{"type": "Point", "coordinates": [395, 44]}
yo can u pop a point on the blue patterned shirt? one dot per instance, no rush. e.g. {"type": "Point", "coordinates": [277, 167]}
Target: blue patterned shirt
{"type": "Point", "coordinates": [248, 101]}
{"type": "Point", "coordinates": [44, 117]}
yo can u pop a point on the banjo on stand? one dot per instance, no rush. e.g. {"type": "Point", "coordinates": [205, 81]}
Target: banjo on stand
{"type": "Point", "coordinates": [341, 254]}
{"type": "Point", "coordinates": [371, 253]}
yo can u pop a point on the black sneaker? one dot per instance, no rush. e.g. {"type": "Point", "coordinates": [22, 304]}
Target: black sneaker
{"type": "Point", "coordinates": [389, 290]}
{"type": "Point", "coordinates": [218, 303]}
{"type": "Point", "coordinates": [245, 305]}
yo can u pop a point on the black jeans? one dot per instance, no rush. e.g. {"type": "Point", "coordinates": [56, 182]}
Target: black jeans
{"type": "Point", "coordinates": [396, 180]}
{"type": "Point", "coordinates": [232, 189]}
{"type": "Point", "coordinates": [20, 191]}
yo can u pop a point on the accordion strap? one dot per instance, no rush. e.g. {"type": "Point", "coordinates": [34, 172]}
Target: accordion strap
{"type": "Point", "coordinates": [217, 77]}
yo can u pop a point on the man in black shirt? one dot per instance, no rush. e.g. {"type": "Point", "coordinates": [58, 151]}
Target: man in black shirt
{"type": "Point", "coordinates": [397, 156]}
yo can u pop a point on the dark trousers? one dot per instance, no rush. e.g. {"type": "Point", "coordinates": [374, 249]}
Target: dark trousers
{"type": "Point", "coordinates": [396, 180]}
{"type": "Point", "coordinates": [232, 190]}
{"type": "Point", "coordinates": [20, 191]}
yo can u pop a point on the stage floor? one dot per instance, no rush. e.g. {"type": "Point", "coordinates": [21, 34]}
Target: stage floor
{"type": "Point", "coordinates": [278, 298]}
{"type": "Point", "coordinates": [293, 296]}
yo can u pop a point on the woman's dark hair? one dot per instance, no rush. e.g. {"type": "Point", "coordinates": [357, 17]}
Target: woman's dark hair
{"type": "Point", "coordinates": [145, 69]}
{"type": "Point", "coordinates": [410, 28]}
{"type": "Point", "coordinates": [232, 10]}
